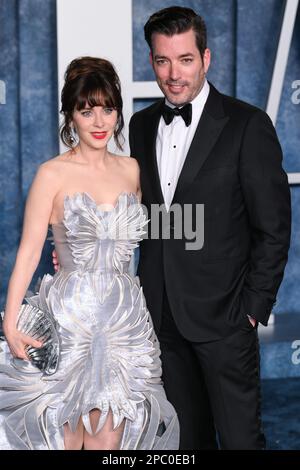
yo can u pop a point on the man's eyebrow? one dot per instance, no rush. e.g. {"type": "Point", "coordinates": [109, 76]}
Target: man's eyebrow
{"type": "Point", "coordinates": [187, 54]}
{"type": "Point", "coordinates": [157, 56]}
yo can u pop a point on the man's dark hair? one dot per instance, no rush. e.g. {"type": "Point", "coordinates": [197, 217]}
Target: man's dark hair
{"type": "Point", "coordinates": [176, 20]}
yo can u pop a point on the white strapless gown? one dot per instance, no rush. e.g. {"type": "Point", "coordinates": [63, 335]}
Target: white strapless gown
{"type": "Point", "coordinates": [109, 352]}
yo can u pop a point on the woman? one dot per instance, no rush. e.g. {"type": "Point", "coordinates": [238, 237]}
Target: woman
{"type": "Point", "coordinates": [106, 392]}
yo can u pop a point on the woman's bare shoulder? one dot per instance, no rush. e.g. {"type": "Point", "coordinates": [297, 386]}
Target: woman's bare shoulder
{"type": "Point", "coordinates": [51, 170]}
{"type": "Point", "coordinates": [128, 161]}
{"type": "Point", "coordinates": [54, 164]}
{"type": "Point", "coordinates": [131, 168]}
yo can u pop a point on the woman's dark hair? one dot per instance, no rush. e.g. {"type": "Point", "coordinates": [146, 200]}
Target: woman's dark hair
{"type": "Point", "coordinates": [93, 82]}
{"type": "Point", "coordinates": [176, 20]}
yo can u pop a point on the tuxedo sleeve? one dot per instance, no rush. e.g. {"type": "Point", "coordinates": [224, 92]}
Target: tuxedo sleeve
{"type": "Point", "coordinates": [267, 198]}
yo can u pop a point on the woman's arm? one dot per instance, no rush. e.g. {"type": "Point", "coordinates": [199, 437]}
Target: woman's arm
{"type": "Point", "coordinates": [37, 215]}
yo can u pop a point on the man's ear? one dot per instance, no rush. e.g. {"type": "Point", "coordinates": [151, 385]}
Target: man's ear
{"type": "Point", "coordinates": [206, 59]}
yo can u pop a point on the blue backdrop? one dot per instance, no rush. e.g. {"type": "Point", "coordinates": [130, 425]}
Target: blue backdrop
{"type": "Point", "coordinates": [243, 37]}
{"type": "Point", "coordinates": [28, 120]}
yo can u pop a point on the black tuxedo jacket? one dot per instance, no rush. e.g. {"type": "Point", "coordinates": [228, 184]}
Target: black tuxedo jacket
{"type": "Point", "coordinates": [234, 168]}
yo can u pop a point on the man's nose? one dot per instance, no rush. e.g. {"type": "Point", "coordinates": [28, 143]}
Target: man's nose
{"type": "Point", "coordinates": [174, 72]}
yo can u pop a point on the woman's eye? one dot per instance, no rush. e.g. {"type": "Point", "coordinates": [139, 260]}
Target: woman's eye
{"type": "Point", "coordinates": [108, 110]}
{"type": "Point", "coordinates": [86, 113]}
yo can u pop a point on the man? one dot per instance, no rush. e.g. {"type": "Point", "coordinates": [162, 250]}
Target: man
{"type": "Point", "coordinates": [206, 303]}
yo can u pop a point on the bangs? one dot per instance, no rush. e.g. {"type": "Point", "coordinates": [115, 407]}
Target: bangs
{"type": "Point", "coordinates": [98, 93]}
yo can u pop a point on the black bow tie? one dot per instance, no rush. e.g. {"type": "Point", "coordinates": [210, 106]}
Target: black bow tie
{"type": "Point", "coordinates": [185, 112]}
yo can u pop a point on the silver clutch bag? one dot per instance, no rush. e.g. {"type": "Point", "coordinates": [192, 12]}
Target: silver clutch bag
{"type": "Point", "coordinates": [40, 326]}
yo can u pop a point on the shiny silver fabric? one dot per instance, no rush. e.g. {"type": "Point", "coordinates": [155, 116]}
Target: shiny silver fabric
{"type": "Point", "coordinates": [40, 326]}
{"type": "Point", "coordinates": [109, 352]}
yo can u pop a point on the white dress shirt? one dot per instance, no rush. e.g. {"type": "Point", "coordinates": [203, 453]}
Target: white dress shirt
{"type": "Point", "coordinates": [173, 143]}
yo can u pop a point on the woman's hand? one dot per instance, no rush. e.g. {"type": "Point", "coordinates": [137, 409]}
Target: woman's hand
{"type": "Point", "coordinates": [18, 341]}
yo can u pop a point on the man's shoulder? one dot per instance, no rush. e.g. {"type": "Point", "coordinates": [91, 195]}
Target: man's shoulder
{"type": "Point", "coordinates": [236, 104]}
{"type": "Point", "coordinates": [239, 112]}
{"type": "Point", "coordinates": [239, 108]}
{"type": "Point", "coordinates": [242, 113]}
{"type": "Point", "coordinates": [148, 111]}
{"type": "Point", "coordinates": [232, 105]}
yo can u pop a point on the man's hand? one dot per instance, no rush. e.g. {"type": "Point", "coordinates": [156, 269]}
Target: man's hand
{"type": "Point", "coordinates": [55, 261]}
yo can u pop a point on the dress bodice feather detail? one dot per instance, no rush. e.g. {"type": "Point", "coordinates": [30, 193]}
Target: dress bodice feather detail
{"type": "Point", "coordinates": [100, 239]}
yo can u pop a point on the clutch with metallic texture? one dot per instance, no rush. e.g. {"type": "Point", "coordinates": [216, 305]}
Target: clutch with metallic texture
{"type": "Point", "coordinates": [36, 324]}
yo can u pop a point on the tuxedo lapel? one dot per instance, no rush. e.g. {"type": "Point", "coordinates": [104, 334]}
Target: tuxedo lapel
{"type": "Point", "coordinates": [151, 160]}
{"type": "Point", "coordinates": [210, 126]}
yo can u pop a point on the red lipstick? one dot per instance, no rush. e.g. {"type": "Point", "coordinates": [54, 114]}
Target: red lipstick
{"type": "Point", "coordinates": [99, 135]}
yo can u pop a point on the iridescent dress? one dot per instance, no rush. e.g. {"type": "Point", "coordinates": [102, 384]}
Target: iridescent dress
{"type": "Point", "coordinates": [109, 356]}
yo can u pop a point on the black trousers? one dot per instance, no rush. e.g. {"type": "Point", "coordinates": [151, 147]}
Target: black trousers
{"type": "Point", "coordinates": [214, 387]}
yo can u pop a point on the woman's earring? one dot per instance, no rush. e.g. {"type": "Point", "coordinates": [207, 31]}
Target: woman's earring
{"type": "Point", "coordinates": [73, 135]}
